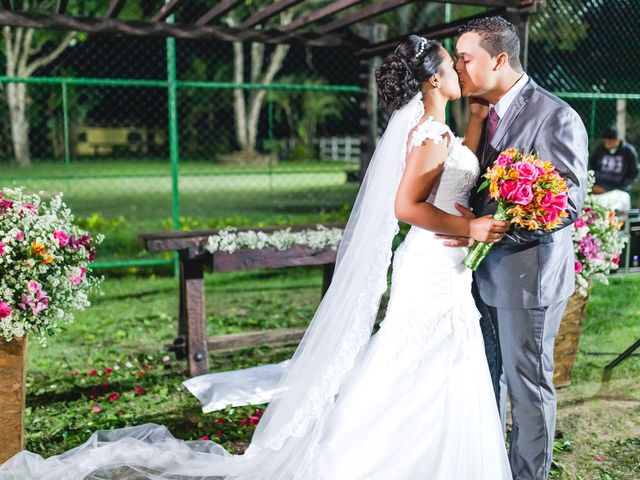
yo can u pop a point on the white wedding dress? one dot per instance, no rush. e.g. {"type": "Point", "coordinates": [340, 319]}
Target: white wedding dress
{"type": "Point", "coordinates": [415, 402]}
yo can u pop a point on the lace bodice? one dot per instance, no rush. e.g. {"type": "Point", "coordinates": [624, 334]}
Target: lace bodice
{"type": "Point", "coordinates": [461, 168]}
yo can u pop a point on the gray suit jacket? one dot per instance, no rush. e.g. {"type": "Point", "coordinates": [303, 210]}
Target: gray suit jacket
{"type": "Point", "coordinates": [534, 269]}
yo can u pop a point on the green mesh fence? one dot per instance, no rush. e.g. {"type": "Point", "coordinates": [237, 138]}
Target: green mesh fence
{"type": "Point", "coordinates": [100, 119]}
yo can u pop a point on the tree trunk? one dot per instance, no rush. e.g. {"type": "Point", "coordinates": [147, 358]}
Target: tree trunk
{"type": "Point", "coordinates": [17, 98]}
{"type": "Point", "coordinates": [239, 104]}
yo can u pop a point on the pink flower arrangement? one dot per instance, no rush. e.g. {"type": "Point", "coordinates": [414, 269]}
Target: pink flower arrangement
{"type": "Point", "coordinates": [44, 260]}
{"type": "Point", "coordinates": [597, 244]}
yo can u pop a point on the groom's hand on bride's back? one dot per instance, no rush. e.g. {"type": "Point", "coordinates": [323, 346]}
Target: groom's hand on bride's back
{"type": "Point", "coordinates": [481, 229]}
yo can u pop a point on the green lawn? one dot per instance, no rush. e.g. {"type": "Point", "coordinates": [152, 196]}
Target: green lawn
{"type": "Point", "coordinates": [598, 426]}
{"type": "Point", "coordinates": [126, 197]}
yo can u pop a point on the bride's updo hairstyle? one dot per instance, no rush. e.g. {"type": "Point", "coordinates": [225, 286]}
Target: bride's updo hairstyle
{"type": "Point", "coordinates": [403, 72]}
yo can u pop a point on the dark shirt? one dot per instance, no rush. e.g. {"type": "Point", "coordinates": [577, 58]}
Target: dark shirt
{"type": "Point", "coordinates": [617, 170]}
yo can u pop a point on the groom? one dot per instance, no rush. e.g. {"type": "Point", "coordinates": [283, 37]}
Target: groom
{"type": "Point", "coordinates": [523, 285]}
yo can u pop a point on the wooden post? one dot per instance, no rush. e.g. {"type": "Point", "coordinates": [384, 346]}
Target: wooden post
{"type": "Point", "coordinates": [13, 368]}
{"type": "Point", "coordinates": [327, 276]}
{"type": "Point", "coordinates": [197, 354]}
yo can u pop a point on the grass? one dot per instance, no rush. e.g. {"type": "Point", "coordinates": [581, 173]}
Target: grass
{"type": "Point", "coordinates": [126, 197]}
{"type": "Point", "coordinates": [598, 424]}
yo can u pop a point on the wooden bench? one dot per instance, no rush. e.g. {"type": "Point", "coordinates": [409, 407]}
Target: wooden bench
{"type": "Point", "coordinates": [192, 342]}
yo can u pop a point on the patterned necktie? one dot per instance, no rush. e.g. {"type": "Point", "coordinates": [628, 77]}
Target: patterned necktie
{"type": "Point", "coordinates": [493, 124]}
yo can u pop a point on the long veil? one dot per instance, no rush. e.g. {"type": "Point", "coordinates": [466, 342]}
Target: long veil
{"type": "Point", "coordinates": [288, 435]}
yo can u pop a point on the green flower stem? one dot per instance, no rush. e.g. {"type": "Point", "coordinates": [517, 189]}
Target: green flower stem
{"type": "Point", "coordinates": [481, 249]}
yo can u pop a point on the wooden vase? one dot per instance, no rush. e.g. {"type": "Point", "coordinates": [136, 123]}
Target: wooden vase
{"type": "Point", "coordinates": [13, 368]}
{"type": "Point", "coordinates": [568, 339]}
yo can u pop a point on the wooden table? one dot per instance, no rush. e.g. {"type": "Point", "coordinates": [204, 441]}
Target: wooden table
{"type": "Point", "coordinates": [192, 342]}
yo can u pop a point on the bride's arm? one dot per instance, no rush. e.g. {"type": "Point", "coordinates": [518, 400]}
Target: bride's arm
{"type": "Point", "coordinates": [422, 170]}
{"type": "Point", "coordinates": [479, 110]}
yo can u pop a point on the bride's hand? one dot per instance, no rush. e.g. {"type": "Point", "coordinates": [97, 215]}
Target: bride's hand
{"type": "Point", "coordinates": [487, 229]}
{"type": "Point", "coordinates": [478, 108]}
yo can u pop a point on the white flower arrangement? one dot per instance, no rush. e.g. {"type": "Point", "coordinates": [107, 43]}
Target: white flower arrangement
{"type": "Point", "coordinates": [596, 242]}
{"type": "Point", "coordinates": [229, 239]}
{"type": "Point", "coordinates": [44, 261]}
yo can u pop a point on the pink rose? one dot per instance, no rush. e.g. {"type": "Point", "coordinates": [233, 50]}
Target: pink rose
{"type": "Point", "coordinates": [19, 235]}
{"type": "Point", "coordinates": [526, 172]}
{"type": "Point", "coordinates": [550, 217]}
{"type": "Point", "coordinates": [77, 276]}
{"type": "Point", "coordinates": [523, 194]}
{"type": "Point", "coordinates": [5, 204]}
{"type": "Point", "coordinates": [578, 266]}
{"type": "Point", "coordinates": [29, 208]}
{"type": "Point", "coordinates": [557, 202]}
{"type": "Point", "coordinates": [616, 259]}
{"type": "Point", "coordinates": [5, 310]}
{"type": "Point", "coordinates": [504, 160]}
{"type": "Point", "coordinates": [2, 251]}
{"type": "Point", "coordinates": [61, 237]}
{"type": "Point", "coordinates": [580, 223]}
{"type": "Point", "coordinates": [507, 189]}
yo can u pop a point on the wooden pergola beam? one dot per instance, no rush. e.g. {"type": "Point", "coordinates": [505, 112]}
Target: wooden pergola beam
{"type": "Point", "coordinates": [162, 29]}
{"type": "Point", "coordinates": [115, 7]}
{"type": "Point", "coordinates": [266, 13]}
{"type": "Point", "coordinates": [166, 10]}
{"type": "Point", "coordinates": [220, 9]}
{"type": "Point", "coordinates": [436, 33]}
{"type": "Point", "coordinates": [362, 14]}
{"type": "Point", "coordinates": [323, 12]}
{"type": "Point", "coordinates": [62, 7]}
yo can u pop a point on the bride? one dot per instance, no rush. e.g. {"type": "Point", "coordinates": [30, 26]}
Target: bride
{"type": "Point", "coordinates": [413, 401]}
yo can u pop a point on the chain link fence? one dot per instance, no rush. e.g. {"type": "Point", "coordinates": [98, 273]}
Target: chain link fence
{"type": "Point", "coordinates": [154, 134]}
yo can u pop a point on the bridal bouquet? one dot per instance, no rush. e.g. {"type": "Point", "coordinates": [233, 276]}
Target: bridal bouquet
{"type": "Point", "coordinates": [44, 261]}
{"type": "Point", "coordinates": [530, 194]}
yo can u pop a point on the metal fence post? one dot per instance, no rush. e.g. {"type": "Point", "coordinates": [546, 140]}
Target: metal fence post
{"type": "Point", "coordinates": [173, 136]}
{"type": "Point", "coordinates": [65, 124]}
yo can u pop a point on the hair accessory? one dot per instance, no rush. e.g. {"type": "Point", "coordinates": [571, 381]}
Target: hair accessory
{"type": "Point", "coordinates": [423, 45]}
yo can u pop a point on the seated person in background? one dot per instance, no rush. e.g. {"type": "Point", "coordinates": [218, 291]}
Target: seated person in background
{"type": "Point", "coordinates": [615, 163]}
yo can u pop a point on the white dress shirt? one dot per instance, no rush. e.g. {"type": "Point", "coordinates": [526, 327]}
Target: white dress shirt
{"type": "Point", "coordinates": [507, 99]}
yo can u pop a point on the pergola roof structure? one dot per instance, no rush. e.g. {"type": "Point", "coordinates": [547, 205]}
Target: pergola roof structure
{"type": "Point", "coordinates": [326, 26]}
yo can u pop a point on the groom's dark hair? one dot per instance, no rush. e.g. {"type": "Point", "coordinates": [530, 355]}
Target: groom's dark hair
{"type": "Point", "coordinates": [498, 35]}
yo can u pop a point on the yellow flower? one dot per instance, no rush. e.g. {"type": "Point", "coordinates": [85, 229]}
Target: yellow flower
{"type": "Point", "coordinates": [38, 249]}
{"type": "Point", "coordinates": [47, 259]}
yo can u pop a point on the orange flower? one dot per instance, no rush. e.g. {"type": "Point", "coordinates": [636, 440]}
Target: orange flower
{"type": "Point", "coordinates": [47, 259]}
{"type": "Point", "coordinates": [38, 249]}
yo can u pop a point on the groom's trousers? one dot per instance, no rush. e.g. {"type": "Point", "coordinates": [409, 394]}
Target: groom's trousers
{"type": "Point", "coordinates": [526, 342]}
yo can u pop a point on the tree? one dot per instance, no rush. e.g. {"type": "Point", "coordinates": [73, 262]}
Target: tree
{"type": "Point", "coordinates": [248, 103]}
{"type": "Point", "coordinates": [27, 50]}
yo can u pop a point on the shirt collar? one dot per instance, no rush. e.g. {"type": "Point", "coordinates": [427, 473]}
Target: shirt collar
{"type": "Point", "coordinates": [507, 99]}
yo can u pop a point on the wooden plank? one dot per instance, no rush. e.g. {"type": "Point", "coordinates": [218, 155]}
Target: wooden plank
{"type": "Point", "coordinates": [247, 259]}
{"type": "Point", "coordinates": [435, 33]}
{"type": "Point", "coordinates": [162, 29]}
{"type": "Point", "coordinates": [166, 10]}
{"type": "Point", "coordinates": [264, 14]}
{"type": "Point", "coordinates": [362, 14]}
{"type": "Point", "coordinates": [185, 239]}
{"type": "Point", "coordinates": [12, 396]}
{"type": "Point", "coordinates": [320, 14]}
{"type": "Point", "coordinates": [220, 9]}
{"type": "Point", "coordinates": [197, 354]}
{"type": "Point", "coordinates": [115, 8]}
{"type": "Point", "coordinates": [252, 339]}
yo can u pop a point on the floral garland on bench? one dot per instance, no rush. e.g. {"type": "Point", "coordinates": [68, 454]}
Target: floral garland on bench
{"type": "Point", "coordinates": [230, 239]}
